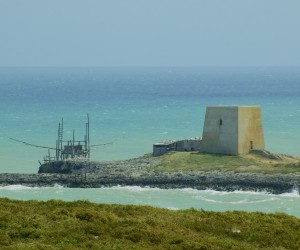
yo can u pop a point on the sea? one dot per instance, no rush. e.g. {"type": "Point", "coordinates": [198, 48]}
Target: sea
{"type": "Point", "coordinates": [132, 108]}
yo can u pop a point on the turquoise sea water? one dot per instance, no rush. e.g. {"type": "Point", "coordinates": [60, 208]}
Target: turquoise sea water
{"type": "Point", "coordinates": [136, 107]}
{"type": "Point", "coordinates": [166, 198]}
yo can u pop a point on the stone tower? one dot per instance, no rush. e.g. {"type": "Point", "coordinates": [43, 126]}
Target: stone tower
{"type": "Point", "coordinates": [232, 130]}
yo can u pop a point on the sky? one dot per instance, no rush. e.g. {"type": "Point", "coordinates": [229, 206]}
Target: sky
{"type": "Point", "coordinates": [130, 33]}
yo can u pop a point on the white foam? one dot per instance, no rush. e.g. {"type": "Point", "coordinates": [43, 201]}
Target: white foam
{"type": "Point", "coordinates": [129, 188]}
{"type": "Point", "coordinates": [58, 186]}
{"type": "Point", "coordinates": [253, 202]}
{"type": "Point", "coordinates": [16, 187]}
{"type": "Point", "coordinates": [294, 193]}
{"type": "Point", "coordinates": [214, 192]}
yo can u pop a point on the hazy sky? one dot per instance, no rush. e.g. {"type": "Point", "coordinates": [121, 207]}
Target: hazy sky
{"type": "Point", "coordinates": [149, 32]}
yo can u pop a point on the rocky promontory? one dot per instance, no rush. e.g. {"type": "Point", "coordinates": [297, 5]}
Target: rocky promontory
{"type": "Point", "coordinates": [176, 170]}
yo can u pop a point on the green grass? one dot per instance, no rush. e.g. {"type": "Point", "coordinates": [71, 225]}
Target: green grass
{"type": "Point", "coordinates": [83, 225]}
{"type": "Point", "coordinates": [193, 161]}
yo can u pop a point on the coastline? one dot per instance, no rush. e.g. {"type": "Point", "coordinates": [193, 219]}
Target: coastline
{"type": "Point", "coordinates": [218, 181]}
{"type": "Point", "coordinates": [144, 171]}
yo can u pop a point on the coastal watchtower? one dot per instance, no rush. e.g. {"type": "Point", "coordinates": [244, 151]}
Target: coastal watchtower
{"type": "Point", "coordinates": [232, 130]}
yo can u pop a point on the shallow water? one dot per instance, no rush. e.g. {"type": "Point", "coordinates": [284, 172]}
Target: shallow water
{"type": "Point", "coordinates": [165, 198]}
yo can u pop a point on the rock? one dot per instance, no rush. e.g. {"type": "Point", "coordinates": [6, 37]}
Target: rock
{"type": "Point", "coordinates": [266, 154]}
{"type": "Point", "coordinates": [139, 172]}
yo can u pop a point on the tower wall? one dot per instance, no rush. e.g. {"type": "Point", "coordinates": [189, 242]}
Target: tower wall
{"type": "Point", "coordinates": [232, 130]}
{"type": "Point", "coordinates": [250, 132]}
{"type": "Point", "coordinates": [220, 132]}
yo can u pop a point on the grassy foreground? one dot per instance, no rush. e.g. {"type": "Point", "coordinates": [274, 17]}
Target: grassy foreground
{"type": "Point", "coordinates": [250, 163]}
{"type": "Point", "coordinates": [83, 225]}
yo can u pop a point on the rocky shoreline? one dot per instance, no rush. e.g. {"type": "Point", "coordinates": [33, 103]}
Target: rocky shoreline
{"type": "Point", "coordinates": [140, 172]}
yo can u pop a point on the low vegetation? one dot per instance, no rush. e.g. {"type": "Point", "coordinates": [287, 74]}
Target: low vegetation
{"type": "Point", "coordinates": [83, 225]}
{"type": "Point", "coordinates": [250, 163]}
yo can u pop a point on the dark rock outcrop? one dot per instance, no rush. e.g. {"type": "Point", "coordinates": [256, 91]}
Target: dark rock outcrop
{"type": "Point", "coordinates": [140, 172]}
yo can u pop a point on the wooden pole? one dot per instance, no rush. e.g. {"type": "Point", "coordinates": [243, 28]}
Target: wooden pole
{"type": "Point", "coordinates": [88, 136]}
{"type": "Point", "coordinates": [85, 138]}
{"type": "Point", "coordinates": [73, 144]}
{"type": "Point", "coordinates": [57, 151]}
{"type": "Point", "coordinates": [49, 155]}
